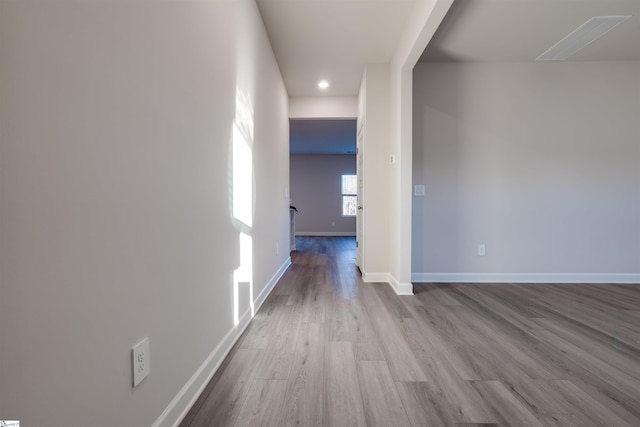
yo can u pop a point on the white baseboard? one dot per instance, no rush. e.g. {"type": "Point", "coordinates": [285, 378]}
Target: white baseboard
{"type": "Point", "coordinates": [271, 284]}
{"type": "Point", "coordinates": [326, 233]}
{"type": "Point", "coordinates": [525, 278]}
{"type": "Point", "coordinates": [375, 277]}
{"type": "Point", "coordinates": [398, 288]}
{"type": "Point", "coordinates": [187, 396]}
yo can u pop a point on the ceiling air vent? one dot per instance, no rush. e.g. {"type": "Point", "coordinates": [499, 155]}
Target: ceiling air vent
{"type": "Point", "coordinates": [591, 30]}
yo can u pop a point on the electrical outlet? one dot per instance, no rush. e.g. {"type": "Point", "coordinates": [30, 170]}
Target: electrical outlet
{"type": "Point", "coordinates": [482, 250]}
{"type": "Point", "coordinates": [333, 223]}
{"type": "Point", "coordinates": [418, 190]}
{"type": "Point", "coordinates": [140, 359]}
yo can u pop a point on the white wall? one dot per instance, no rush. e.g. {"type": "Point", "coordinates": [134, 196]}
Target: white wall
{"type": "Point", "coordinates": [385, 115]}
{"type": "Point", "coordinates": [316, 193]}
{"type": "Point", "coordinates": [423, 23]}
{"type": "Point", "coordinates": [539, 161]}
{"type": "Point", "coordinates": [331, 107]}
{"type": "Point", "coordinates": [374, 116]}
{"type": "Point", "coordinates": [115, 135]}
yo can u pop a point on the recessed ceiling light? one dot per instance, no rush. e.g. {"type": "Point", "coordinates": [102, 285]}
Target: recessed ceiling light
{"type": "Point", "coordinates": [323, 84]}
{"type": "Point", "coordinates": [591, 30]}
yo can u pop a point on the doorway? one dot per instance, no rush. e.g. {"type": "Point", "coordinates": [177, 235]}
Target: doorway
{"type": "Point", "coordinates": [322, 153]}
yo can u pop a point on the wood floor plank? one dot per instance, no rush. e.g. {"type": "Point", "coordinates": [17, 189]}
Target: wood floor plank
{"type": "Point", "coordinates": [586, 331]}
{"type": "Point", "coordinates": [633, 314]}
{"type": "Point", "coordinates": [484, 305]}
{"type": "Point", "coordinates": [620, 357]}
{"type": "Point", "coordinates": [262, 327]}
{"type": "Point", "coordinates": [562, 397]}
{"type": "Point", "coordinates": [613, 297]}
{"type": "Point", "coordinates": [343, 398]}
{"type": "Point", "coordinates": [304, 397]}
{"type": "Point", "coordinates": [506, 407]}
{"type": "Point", "coordinates": [327, 349]}
{"type": "Point", "coordinates": [611, 323]}
{"type": "Point", "coordinates": [562, 420]}
{"type": "Point", "coordinates": [392, 302]}
{"type": "Point", "coordinates": [382, 404]}
{"type": "Point", "coordinates": [316, 304]}
{"type": "Point", "coordinates": [475, 425]}
{"type": "Point", "coordinates": [440, 403]}
{"type": "Point", "coordinates": [434, 293]}
{"type": "Point", "coordinates": [597, 387]}
{"type": "Point", "coordinates": [595, 404]}
{"type": "Point", "coordinates": [336, 322]}
{"type": "Point", "coordinates": [421, 408]}
{"type": "Point", "coordinates": [298, 293]}
{"type": "Point", "coordinates": [438, 358]}
{"type": "Point", "coordinates": [543, 397]}
{"type": "Point", "coordinates": [263, 405]}
{"type": "Point", "coordinates": [278, 357]}
{"type": "Point", "coordinates": [625, 388]}
{"type": "Point", "coordinates": [509, 358]}
{"type": "Point", "coordinates": [222, 400]}
{"type": "Point", "coordinates": [366, 344]}
{"type": "Point", "coordinates": [402, 362]}
{"type": "Point", "coordinates": [290, 280]}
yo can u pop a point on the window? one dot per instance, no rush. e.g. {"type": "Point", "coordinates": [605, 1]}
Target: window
{"type": "Point", "coordinates": [349, 195]}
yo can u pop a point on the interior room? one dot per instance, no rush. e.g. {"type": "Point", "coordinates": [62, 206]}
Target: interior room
{"type": "Point", "coordinates": [322, 151]}
{"type": "Point", "coordinates": [147, 168]}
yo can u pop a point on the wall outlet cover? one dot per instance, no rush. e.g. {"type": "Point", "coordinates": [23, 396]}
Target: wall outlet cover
{"type": "Point", "coordinates": [482, 250]}
{"type": "Point", "coordinates": [140, 361]}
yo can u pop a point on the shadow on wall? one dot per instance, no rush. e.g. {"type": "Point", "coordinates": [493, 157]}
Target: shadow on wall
{"type": "Point", "coordinates": [436, 135]}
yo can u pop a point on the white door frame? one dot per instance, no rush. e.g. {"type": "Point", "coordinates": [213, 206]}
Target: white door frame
{"type": "Point", "coordinates": [360, 205]}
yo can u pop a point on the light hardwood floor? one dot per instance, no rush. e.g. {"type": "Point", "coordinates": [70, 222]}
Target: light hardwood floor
{"type": "Point", "coordinates": [327, 349]}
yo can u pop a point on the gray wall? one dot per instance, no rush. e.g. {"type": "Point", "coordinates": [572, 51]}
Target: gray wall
{"type": "Point", "coordinates": [316, 192]}
{"type": "Point", "coordinates": [539, 161]}
{"type": "Point", "coordinates": [115, 144]}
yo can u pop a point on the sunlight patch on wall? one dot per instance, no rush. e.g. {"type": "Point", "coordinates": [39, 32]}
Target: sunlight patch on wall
{"type": "Point", "coordinates": [243, 276]}
{"type": "Point", "coordinates": [242, 201]}
{"type": "Point", "coordinates": [244, 115]}
{"type": "Point", "coordinates": [242, 179]}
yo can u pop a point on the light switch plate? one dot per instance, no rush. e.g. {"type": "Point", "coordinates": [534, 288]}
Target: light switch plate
{"type": "Point", "coordinates": [418, 190]}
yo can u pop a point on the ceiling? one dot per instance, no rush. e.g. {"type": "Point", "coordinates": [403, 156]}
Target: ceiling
{"type": "Point", "coordinates": [521, 30]}
{"type": "Point", "coordinates": [322, 136]}
{"type": "Point", "coordinates": [332, 40]}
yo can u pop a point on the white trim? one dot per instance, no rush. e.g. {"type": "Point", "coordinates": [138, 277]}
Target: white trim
{"type": "Point", "coordinates": [271, 284]}
{"type": "Point", "coordinates": [326, 233]}
{"type": "Point", "coordinates": [526, 278]}
{"type": "Point", "coordinates": [178, 408]}
{"type": "Point", "coordinates": [400, 288]}
{"type": "Point", "coordinates": [375, 277]}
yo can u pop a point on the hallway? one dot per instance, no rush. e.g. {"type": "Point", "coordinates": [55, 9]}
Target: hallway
{"type": "Point", "coordinates": [327, 349]}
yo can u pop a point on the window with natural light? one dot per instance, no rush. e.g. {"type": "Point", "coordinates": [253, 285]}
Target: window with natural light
{"type": "Point", "coordinates": [349, 195]}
